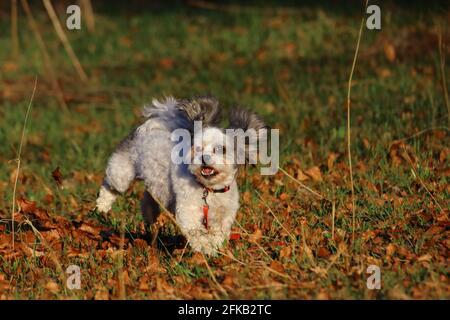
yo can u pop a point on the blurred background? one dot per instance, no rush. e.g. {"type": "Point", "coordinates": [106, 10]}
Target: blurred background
{"type": "Point", "coordinates": [287, 60]}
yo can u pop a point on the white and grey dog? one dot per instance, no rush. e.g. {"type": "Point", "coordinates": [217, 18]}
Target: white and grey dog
{"type": "Point", "coordinates": [202, 192]}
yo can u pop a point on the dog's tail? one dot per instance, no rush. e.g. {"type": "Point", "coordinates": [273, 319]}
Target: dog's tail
{"type": "Point", "coordinates": [159, 108]}
{"type": "Point", "coordinates": [183, 113]}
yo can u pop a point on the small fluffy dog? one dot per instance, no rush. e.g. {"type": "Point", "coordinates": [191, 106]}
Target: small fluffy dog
{"type": "Point", "coordinates": [203, 193]}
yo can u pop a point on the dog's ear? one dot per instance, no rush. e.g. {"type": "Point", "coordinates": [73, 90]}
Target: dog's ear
{"type": "Point", "coordinates": [244, 119]}
{"type": "Point", "coordinates": [204, 108]}
{"type": "Point", "coordinates": [251, 124]}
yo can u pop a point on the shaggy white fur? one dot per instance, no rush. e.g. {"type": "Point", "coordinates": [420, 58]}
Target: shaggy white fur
{"type": "Point", "coordinates": [146, 155]}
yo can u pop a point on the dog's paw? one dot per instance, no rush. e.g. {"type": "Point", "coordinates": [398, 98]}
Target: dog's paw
{"type": "Point", "coordinates": [105, 200]}
{"type": "Point", "coordinates": [102, 206]}
{"type": "Point", "coordinates": [206, 243]}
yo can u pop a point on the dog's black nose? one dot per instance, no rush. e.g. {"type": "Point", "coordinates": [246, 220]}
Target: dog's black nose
{"type": "Point", "coordinates": [206, 159]}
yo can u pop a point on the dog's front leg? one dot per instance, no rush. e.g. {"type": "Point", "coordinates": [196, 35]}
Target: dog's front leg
{"type": "Point", "coordinates": [202, 240]}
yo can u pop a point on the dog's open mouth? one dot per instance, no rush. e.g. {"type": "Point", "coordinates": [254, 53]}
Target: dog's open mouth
{"type": "Point", "coordinates": [208, 171]}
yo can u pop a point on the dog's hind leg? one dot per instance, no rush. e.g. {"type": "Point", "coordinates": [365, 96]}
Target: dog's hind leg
{"type": "Point", "coordinates": [150, 212]}
{"type": "Point", "coordinates": [120, 172]}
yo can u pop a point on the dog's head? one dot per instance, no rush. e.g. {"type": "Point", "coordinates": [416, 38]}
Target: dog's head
{"type": "Point", "coordinates": [211, 164]}
{"type": "Point", "coordinates": [214, 154]}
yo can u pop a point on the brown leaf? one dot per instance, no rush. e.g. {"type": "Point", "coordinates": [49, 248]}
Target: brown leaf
{"type": "Point", "coordinates": [31, 252]}
{"type": "Point", "coordinates": [390, 249]}
{"type": "Point", "coordinates": [9, 66]}
{"type": "Point", "coordinates": [314, 173]}
{"type": "Point", "coordinates": [240, 61]}
{"type": "Point", "coordinates": [331, 159]}
{"type": "Point", "coordinates": [286, 252]}
{"type": "Point", "coordinates": [51, 235]}
{"type": "Point", "coordinates": [26, 206]}
{"type": "Point", "coordinates": [139, 243]}
{"type": "Point", "coordinates": [301, 176]}
{"type": "Point", "coordinates": [52, 286]}
{"type": "Point", "coordinates": [197, 259]}
{"type": "Point", "coordinates": [90, 229]}
{"type": "Point", "coordinates": [323, 252]}
{"type": "Point", "coordinates": [284, 196]}
{"type": "Point", "coordinates": [72, 252]}
{"type": "Point", "coordinates": [277, 266]}
{"type": "Point", "coordinates": [444, 155]}
{"type": "Point", "coordinates": [48, 199]}
{"type": "Point", "coordinates": [166, 63]}
{"type": "Point", "coordinates": [425, 258]}
{"type": "Point", "coordinates": [57, 176]}
{"type": "Point", "coordinates": [228, 280]}
{"type": "Point", "coordinates": [143, 284]}
{"type": "Point", "coordinates": [246, 196]}
{"type": "Point", "coordinates": [102, 294]}
{"type": "Point", "coordinates": [389, 51]}
{"type": "Point", "coordinates": [255, 236]}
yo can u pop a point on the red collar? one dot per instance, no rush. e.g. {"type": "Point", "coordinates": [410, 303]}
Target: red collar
{"type": "Point", "coordinates": [206, 191]}
{"type": "Point", "coordinates": [224, 189]}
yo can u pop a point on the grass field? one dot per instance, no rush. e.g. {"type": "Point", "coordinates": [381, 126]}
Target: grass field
{"type": "Point", "coordinates": [291, 64]}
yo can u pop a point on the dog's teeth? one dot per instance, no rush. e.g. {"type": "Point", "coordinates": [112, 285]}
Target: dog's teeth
{"type": "Point", "coordinates": [207, 172]}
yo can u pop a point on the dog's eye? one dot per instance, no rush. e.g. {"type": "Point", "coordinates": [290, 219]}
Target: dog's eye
{"type": "Point", "coordinates": [219, 149]}
{"type": "Point", "coordinates": [198, 149]}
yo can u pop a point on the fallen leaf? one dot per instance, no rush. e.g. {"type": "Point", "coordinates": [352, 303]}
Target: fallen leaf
{"type": "Point", "coordinates": [52, 286]}
{"type": "Point", "coordinates": [255, 236]}
{"type": "Point", "coordinates": [102, 294]}
{"type": "Point", "coordinates": [389, 51]}
{"type": "Point", "coordinates": [26, 206]}
{"type": "Point", "coordinates": [228, 280]}
{"type": "Point", "coordinates": [90, 229]}
{"type": "Point", "coordinates": [331, 159]}
{"type": "Point", "coordinates": [427, 257]}
{"type": "Point", "coordinates": [277, 266]}
{"type": "Point", "coordinates": [197, 259]}
{"type": "Point", "coordinates": [166, 63]}
{"type": "Point", "coordinates": [57, 176]}
{"type": "Point", "coordinates": [323, 252]}
{"type": "Point", "coordinates": [284, 196]}
{"type": "Point", "coordinates": [390, 249]}
{"type": "Point", "coordinates": [139, 243]}
{"type": "Point", "coordinates": [314, 173]}
{"type": "Point", "coordinates": [286, 252]}
{"type": "Point", "coordinates": [143, 285]}
{"type": "Point", "coordinates": [301, 176]}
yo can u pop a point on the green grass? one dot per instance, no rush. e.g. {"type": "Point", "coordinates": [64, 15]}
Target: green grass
{"type": "Point", "coordinates": [291, 65]}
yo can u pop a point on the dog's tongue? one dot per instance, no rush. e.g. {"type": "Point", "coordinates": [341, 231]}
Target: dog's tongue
{"type": "Point", "coordinates": [207, 170]}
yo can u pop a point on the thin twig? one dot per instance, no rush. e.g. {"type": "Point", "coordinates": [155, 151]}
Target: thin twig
{"type": "Point", "coordinates": [269, 286]}
{"type": "Point", "coordinates": [422, 132]}
{"type": "Point", "coordinates": [182, 252]}
{"type": "Point", "coordinates": [275, 217]}
{"type": "Point", "coordinates": [349, 89]}
{"type": "Point", "coordinates": [213, 277]}
{"type": "Point", "coordinates": [230, 255]}
{"type": "Point", "coordinates": [52, 254]}
{"type": "Point", "coordinates": [301, 184]}
{"type": "Point", "coordinates": [255, 242]}
{"type": "Point", "coordinates": [120, 277]}
{"type": "Point", "coordinates": [47, 61]}
{"type": "Point", "coordinates": [306, 247]}
{"type": "Point", "coordinates": [420, 179]}
{"type": "Point", "coordinates": [62, 36]}
{"type": "Point", "coordinates": [443, 79]}
{"type": "Point", "coordinates": [88, 14]}
{"type": "Point", "coordinates": [22, 139]}
{"type": "Point", "coordinates": [333, 216]}
{"type": "Point", "coordinates": [14, 29]}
